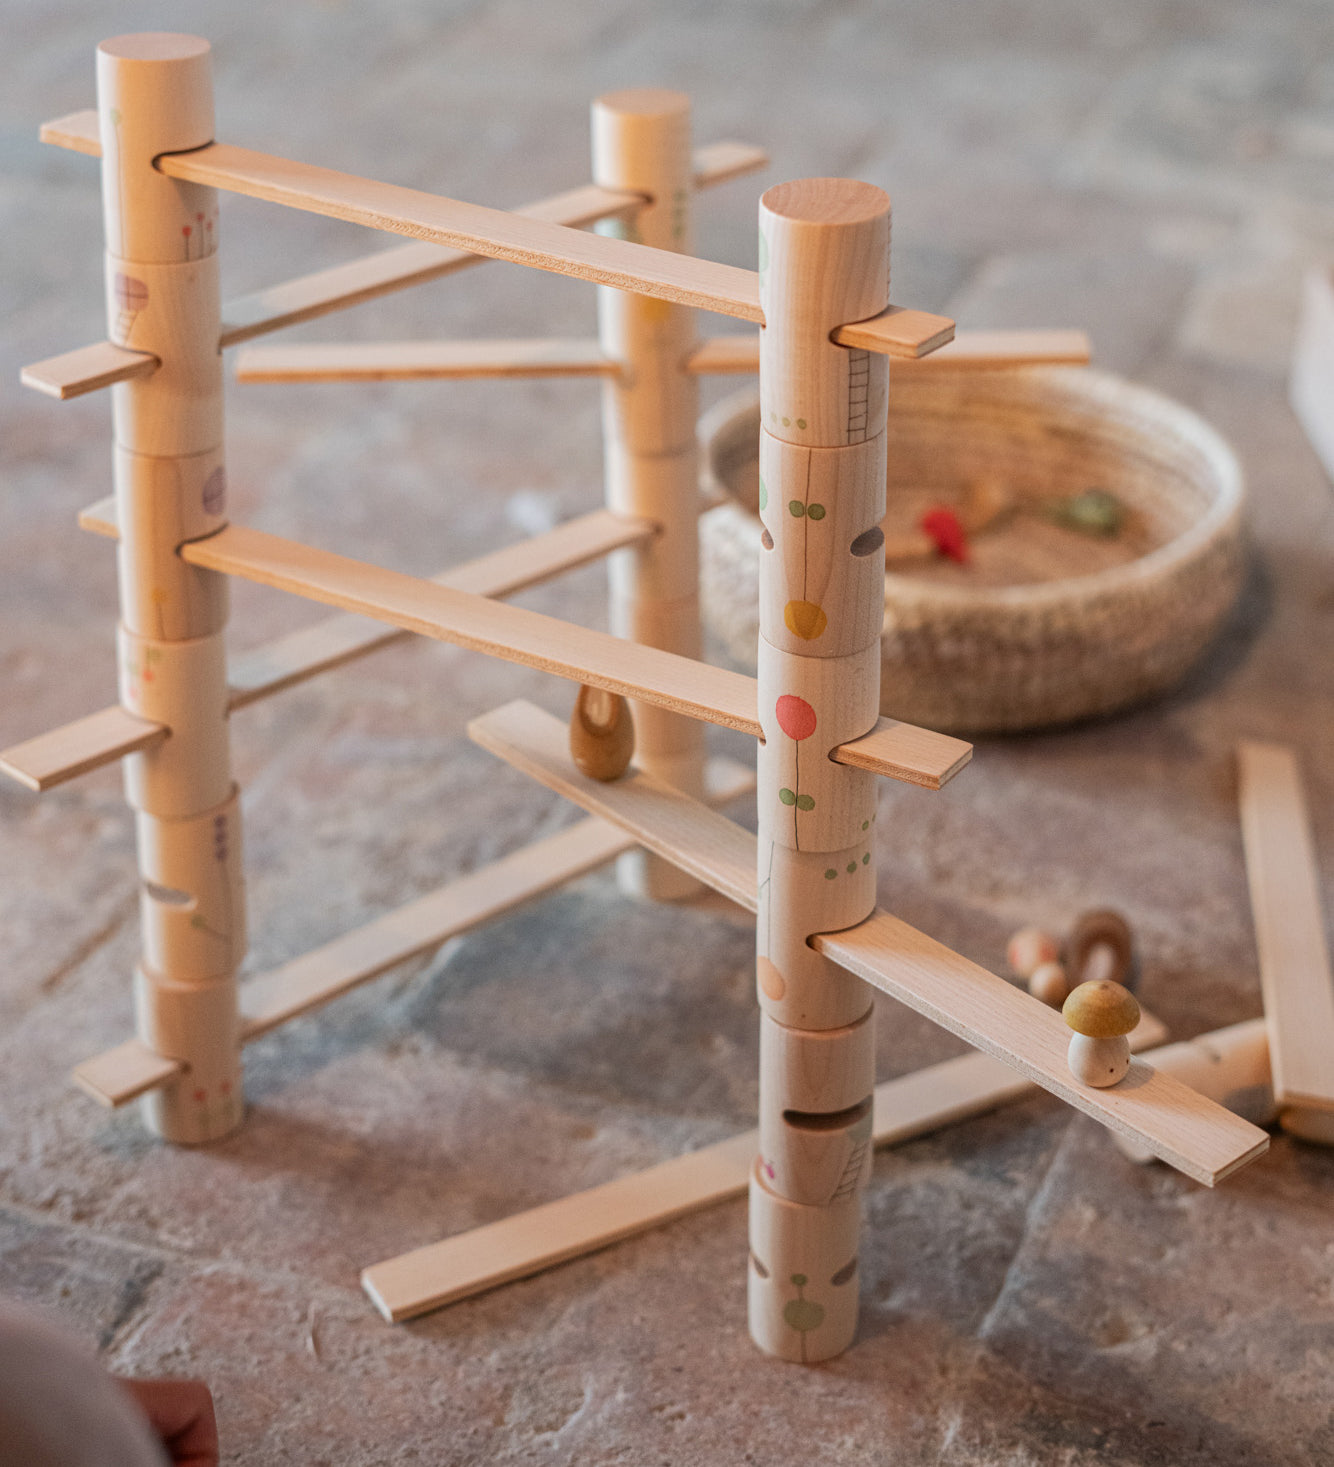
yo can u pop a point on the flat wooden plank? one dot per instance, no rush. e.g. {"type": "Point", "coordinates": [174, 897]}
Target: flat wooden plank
{"type": "Point", "coordinates": [100, 518]}
{"type": "Point", "coordinates": [101, 738]}
{"type": "Point", "coordinates": [695, 689]}
{"type": "Point", "coordinates": [481, 231]}
{"type": "Point", "coordinates": [77, 131]}
{"type": "Point", "coordinates": [87, 369]}
{"type": "Point", "coordinates": [370, 276]}
{"type": "Point", "coordinates": [542, 1237]}
{"type": "Point", "coordinates": [723, 161]}
{"type": "Point", "coordinates": [970, 351]}
{"type": "Point", "coordinates": [416, 361]}
{"type": "Point", "coordinates": [307, 982]}
{"type": "Point", "coordinates": [897, 331]}
{"type": "Point", "coordinates": [1177, 1125]}
{"type": "Point", "coordinates": [123, 1074]}
{"type": "Point", "coordinates": [303, 654]}
{"type": "Point", "coordinates": [1295, 973]}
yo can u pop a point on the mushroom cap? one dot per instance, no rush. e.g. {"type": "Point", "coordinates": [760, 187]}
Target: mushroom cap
{"type": "Point", "coordinates": [1101, 927]}
{"type": "Point", "coordinates": [1101, 1010]}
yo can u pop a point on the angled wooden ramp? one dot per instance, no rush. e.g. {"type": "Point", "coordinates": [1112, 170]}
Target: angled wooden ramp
{"type": "Point", "coordinates": [1192, 1134]}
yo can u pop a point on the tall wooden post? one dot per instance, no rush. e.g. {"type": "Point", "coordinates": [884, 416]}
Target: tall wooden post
{"type": "Point", "coordinates": [155, 95]}
{"type": "Point", "coordinates": [641, 142]}
{"type": "Point", "coordinates": [824, 261]}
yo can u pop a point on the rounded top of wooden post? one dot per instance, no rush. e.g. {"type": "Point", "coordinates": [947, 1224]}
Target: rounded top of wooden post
{"type": "Point", "coordinates": [836, 201]}
{"type": "Point", "coordinates": [155, 46]}
{"type": "Point", "coordinates": [644, 102]}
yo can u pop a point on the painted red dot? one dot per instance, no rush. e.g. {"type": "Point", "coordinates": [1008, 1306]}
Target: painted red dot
{"type": "Point", "coordinates": [796, 717]}
{"type": "Point", "coordinates": [201, 1096]}
{"type": "Point", "coordinates": [226, 1087]}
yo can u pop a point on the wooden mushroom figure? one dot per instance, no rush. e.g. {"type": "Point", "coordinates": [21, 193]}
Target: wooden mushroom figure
{"type": "Point", "coordinates": [1101, 1013]}
{"type": "Point", "coordinates": [602, 734]}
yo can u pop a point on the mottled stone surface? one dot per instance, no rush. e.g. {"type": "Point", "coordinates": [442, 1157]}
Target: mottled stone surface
{"type": "Point", "coordinates": [1159, 171]}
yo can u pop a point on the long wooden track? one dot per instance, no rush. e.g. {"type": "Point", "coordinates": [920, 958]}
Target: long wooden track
{"type": "Point", "coordinates": [711, 694]}
{"type": "Point", "coordinates": [414, 361]}
{"type": "Point", "coordinates": [132, 1069]}
{"type": "Point", "coordinates": [102, 738]}
{"type": "Point", "coordinates": [1289, 925]}
{"type": "Point", "coordinates": [1192, 1134]}
{"type": "Point", "coordinates": [340, 286]}
{"type": "Point", "coordinates": [970, 351]}
{"type": "Point", "coordinates": [517, 1247]}
{"type": "Point", "coordinates": [523, 240]}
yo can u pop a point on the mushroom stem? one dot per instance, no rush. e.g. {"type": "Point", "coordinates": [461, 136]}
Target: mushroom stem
{"type": "Point", "coordinates": [1098, 1062]}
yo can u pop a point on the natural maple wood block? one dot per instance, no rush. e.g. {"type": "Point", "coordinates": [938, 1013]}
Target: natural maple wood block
{"type": "Point", "coordinates": [803, 1276]}
{"type": "Point", "coordinates": [1295, 975]}
{"type": "Point", "coordinates": [822, 564]}
{"type": "Point", "coordinates": [196, 1024]}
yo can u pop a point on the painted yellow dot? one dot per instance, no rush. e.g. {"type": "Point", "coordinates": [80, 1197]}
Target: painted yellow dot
{"type": "Point", "coordinates": [805, 619]}
{"type": "Point", "coordinates": [772, 983]}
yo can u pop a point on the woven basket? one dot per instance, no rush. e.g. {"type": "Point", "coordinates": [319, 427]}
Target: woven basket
{"type": "Point", "coordinates": [1081, 636]}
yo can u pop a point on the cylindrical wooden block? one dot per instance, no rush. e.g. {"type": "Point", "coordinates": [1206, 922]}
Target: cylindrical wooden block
{"type": "Point", "coordinates": [192, 893]}
{"type": "Point", "coordinates": [816, 1110]}
{"type": "Point", "coordinates": [802, 893]}
{"type": "Point", "coordinates": [822, 564]}
{"type": "Point", "coordinates": [182, 685]}
{"type": "Point", "coordinates": [172, 311]}
{"type": "Point", "coordinates": [802, 1286]}
{"type": "Point", "coordinates": [641, 143]}
{"type": "Point", "coordinates": [154, 95]}
{"type": "Point", "coordinates": [198, 1024]}
{"type": "Point", "coordinates": [160, 504]}
{"type": "Point", "coordinates": [808, 706]}
{"type": "Point", "coordinates": [824, 261]}
{"type": "Point", "coordinates": [1229, 1066]}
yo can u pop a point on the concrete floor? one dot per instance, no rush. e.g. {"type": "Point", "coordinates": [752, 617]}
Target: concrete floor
{"type": "Point", "coordinates": [1159, 171]}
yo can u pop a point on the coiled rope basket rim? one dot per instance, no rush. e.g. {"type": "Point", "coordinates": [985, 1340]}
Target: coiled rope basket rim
{"type": "Point", "coordinates": [992, 659]}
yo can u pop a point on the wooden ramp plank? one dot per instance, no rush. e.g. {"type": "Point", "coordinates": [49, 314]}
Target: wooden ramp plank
{"type": "Point", "coordinates": [1190, 1133]}
{"type": "Point", "coordinates": [970, 351]}
{"type": "Point", "coordinates": [87, 369]}
{"type": "Point", "coordinates": [542, 1237]}
{"type": "Point", "coordinates": [340, 286]}
{"type": "Point", "coordinates": [897, 331]}
{"type": "Point", "coordinates": [416, 361]}
{"type": "Point", "coordinates": [64, 753]}
{"type": "Point", "coordinates": [295, 988]}
{"type": "Point", "coordinates": [125, 1073]}
{"type": "Point", "coordinates": [696, 689]}
{"type": "Point", "coordinates": [1295, 973]}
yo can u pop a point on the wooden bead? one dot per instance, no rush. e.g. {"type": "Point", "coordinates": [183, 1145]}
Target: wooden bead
{"type": "Point", "coordinates": [1028, 949]}
{"type": "Point", "coordinates": [602, 735]}
{"type": "Point", "coordinates": [1048, 984]}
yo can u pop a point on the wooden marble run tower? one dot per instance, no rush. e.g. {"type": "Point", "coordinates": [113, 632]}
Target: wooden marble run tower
{"type": "Point", "coordinates": [821, 297]}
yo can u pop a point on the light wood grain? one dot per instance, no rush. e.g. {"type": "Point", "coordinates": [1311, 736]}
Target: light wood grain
{"type": "Point", "coordinates": [1192, 1134]}
{"type": "Point", "coordinates": [87, 369]}
{"type": "Point", "coordinates": [104, 737]}
{"type": "Point", "coordinates": [298, 987]}
{"type": "Point", "coordinates": [77, 132]}
{"type": "Point", "coordinates": [417, 361]}
{"type": "Point", "coordinates": [969, 351]}
{"type": "Point", "coordinates": [723, 161]}
{"type": "Point", "coordinates": [1295, 973]}
{"type": "Point", "coordinates": [76, 748]}
{"type": "Point", "coordinates": [711, 694]}
{"type": "Point", "coordinates": [517, 1247]}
